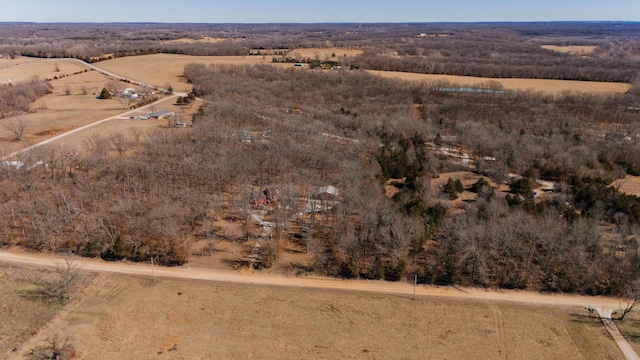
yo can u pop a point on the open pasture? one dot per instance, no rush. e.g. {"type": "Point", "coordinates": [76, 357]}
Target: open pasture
{"type": "Point", "coordinates": [202, 40]}
{"type": "Point", "coordinates": [579, 50]}
{"type": "Point", "coordinates": [548, 86]}
{"type": "Point", "coordinates": [202, 320]}
{"type": "Point", "coordinates": [25, 69]}
{"type": "Point", "coordinates": [160, 69]}
{"type": "Point", "coordinates": [324, 53]}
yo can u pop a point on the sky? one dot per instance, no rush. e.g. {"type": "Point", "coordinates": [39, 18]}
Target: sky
{"type": "Point", "coordinates": [304, 11]}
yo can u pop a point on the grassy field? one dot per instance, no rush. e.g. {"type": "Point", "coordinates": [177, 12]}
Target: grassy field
{"type": "Point", "coordinates": [571, 49]}
{"type": "Point", "coordinates": [160, 69]}
{"type": "Point", "coordinates": [324, 53]}
{"type": "Point", "coordinates": [629, 185]}
{"type": "Point", "coordinates": [137, 318]}
{"type": "Point", "coordinates": [549, 86]}
{"type": "Point", "coordinates": [203, 40]}
{"type": "Point", "coordinates": [24, 69]}
{"type": "Point", "coordinates": [21, 313]}
{"type": "Point", "coordinates": [125, 125]}
{"type": "Point", "coordinates": [630, 329]}
{"type": "Point", "coordinates": [58, 112]}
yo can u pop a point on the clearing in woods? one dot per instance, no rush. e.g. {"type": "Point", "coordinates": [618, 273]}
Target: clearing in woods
{"type": "Point", "coordinates": [324, 53]}
{"type": "Point", "coordinates": [579, 50]}
{"type": "Point", "coordinates": [189, 319]}
{"type": "Point", "coordinates": [202, 40]}
{"type": "Point", "coordinates": [629, 185]}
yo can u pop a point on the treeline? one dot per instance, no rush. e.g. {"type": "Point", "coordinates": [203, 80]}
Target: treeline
{"type": "Point", "coordinates": [16, 98]}
{"type": "Point", "coordinates": [521, 65]}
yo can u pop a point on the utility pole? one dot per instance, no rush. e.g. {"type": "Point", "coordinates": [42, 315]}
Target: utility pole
{"type": "Point", "coordinates": [415, 284]}
{"type": "Point", "coordinates": [153, 275]}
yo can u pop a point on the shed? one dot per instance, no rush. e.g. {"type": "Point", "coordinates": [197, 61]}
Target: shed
{"type": "Point", "coordinates": [160, 114]}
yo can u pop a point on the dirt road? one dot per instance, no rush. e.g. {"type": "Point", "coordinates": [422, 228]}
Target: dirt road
{"type": "Point", "coordinates": [522, 297]}
{"type": "Point", "coordinates": [623, 344]}
{"type": "Point", "coordinates": [604, 305]}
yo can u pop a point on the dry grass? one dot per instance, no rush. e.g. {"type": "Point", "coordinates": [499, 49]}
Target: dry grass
{"type": "Point", "coordinates": [25, 69]}
{"type": "Point", "coordinates": [548, 86]}
{"type": "Point", "coordinates": [58, 112]}
{"type": "Point", "coordinates": [160, 69]}
{"type": "Point", "coordinates": [579, 50]}
{"type": "Point", "coordinates": [136, 318]}
{"type": "Point", "coordinates": [125, 125]}
{"type": "Point", "coordinates": [629, 185]}
{"type": "Point", "coordinates": [630, 329]}
{"type": "Point", "coordinates": [324, 53]}
{"type": "Point", "coordinates": [203, 40]}
{"type": "Point", "coordinates": [21, 313]}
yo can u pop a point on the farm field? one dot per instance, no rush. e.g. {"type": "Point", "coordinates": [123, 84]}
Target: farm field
{"type": "Point", "coordinates": [324, 53]}
{"type": "Point", "coordinates": [203, 40]}
{"type": "Point", "coordinates": [24, 69]}
{"type": "Point", "coordinates": [22, 313]}
{"type": "Point", "coordinates": [571, 49]}
{"type": "Point", "coordinates": [548, 86]}
{"type": "Point", "coordinates": [194, 319]}
{"type": "Point", "coordinates": [160, 69]}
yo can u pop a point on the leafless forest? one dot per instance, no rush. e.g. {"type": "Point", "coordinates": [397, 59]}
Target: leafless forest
{"type": "Point", "coordinates": [355, 131]}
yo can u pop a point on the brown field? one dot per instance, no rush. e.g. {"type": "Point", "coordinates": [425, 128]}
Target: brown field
{"type": "Point", "coordinates": [160, 69]}
{"type": "Point", "coordinates": [57, 112]}
{"type": "Point", "coordinates": [123, 317]}
{"type": "Point", "coordinates": [125, 124]}
{"type": "Point", "coordinates": [548, 86]}
{"type": "Point", "coordinates": [630, 329]}
{"type": "Point", "coordinates": [204, 40]}
{"type": "Point", "coordinates": [629, 185]}
{"type": "Point", "coordinates": [21, 313]}
{"type": "Point", "coordinates": [579, 50]}
{"type": "Point", "coordinates": [324, 53]}
{"type": "Point", "coordinates": [24, 69]}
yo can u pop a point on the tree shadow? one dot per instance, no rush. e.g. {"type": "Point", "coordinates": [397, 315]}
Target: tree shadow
{"type": "Point", "coordinates": [236, 264]}
{"type": "Point", "coordinates": [296, 269]}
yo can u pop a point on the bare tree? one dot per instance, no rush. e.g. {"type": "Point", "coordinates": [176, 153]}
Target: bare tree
{"type": "Point", "coordinates": [16, 126]}
{"type": "Point", "coordinates": [232, 233]}
{"type": "Point", "coordinates": [58, 346]}
{"type": "Point", "coordinates": [113, 86]}
{"type": "Point", "coordinates": [125, 101]}
{"type": "Point", "coordinates": [119, 142]}
{"type": "Point", "coordinates": [632, 299]}
{"type": "Point", "coordinates": [68, 273]}
{"type": "Point", "coordinates": [135, 132]}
